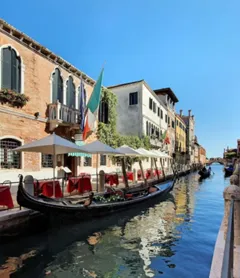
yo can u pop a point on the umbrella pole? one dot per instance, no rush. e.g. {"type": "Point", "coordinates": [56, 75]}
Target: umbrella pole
{"type": "Point", "coordinates": [162, 169]}
{"type": "Point", "coordinates": [124, 172]}
{"type": "Point", "coordinates": [141, 167]}
{"type": "Point", "coordinates": [97, 174]}
{"type": "Point", "coordinates": [155, 161]}
{"type": "Point", "coordinates": [54, 169]}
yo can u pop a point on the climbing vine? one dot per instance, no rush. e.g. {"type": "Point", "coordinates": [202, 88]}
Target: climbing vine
{"type": "Point", "coordinates": [107, 133]}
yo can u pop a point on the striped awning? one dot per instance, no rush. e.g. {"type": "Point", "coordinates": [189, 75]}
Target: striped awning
{"type": "Point", "coordinates": [80, 143]}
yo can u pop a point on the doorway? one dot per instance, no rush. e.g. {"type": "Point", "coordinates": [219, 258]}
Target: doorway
{"type": "Point", "coordinates": [70, 162]}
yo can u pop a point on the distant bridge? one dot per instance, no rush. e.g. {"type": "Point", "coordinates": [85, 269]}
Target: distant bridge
{"type": "Point", "coordinates": [215, 160]}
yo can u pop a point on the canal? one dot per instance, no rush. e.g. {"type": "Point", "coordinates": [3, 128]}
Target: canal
{"type": "Point", "coordinates": [173, 238]}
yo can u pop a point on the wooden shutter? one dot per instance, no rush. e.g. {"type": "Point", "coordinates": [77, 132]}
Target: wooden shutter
{"type": "Point", "coordinates": [18, 75]}
{"type": "Point", "coordinates": [6, 68]}
{"type": "Point", "coordinates": [54, 87]}
{"type": "Point", "coordinates": [59, 86]}
{"type": "Point", "coordinates": [13, 71]}
{"type": "Point", "coordinates": [70, 93]}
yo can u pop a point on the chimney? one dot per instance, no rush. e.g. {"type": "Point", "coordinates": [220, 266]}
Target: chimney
{"type": "Point", "coordinates": [181, 112]}
{"type": "Point", "coordinates": [189, 112]}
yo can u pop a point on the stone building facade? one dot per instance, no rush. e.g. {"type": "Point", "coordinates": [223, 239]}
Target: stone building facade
{"type": "Point", "coordinates": [52, 85]}
{"type": "Point", "coordinates": [169, 99]}
{"type": "Point", "coordinates": [180, 144]}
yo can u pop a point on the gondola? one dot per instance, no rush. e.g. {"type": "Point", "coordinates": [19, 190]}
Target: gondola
{"type": "Point", "coordinates": [204, 174]}
{"type": "Point", "coordinates": [99, 205]}
{"type": "Point", "coordinates": [228, 171]}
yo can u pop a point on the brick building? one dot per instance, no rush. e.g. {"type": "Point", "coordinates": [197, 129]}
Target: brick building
{"type": "Point", "coordinates": [202, 155]}
{"type": "Point", "coordinates": [52, 85]}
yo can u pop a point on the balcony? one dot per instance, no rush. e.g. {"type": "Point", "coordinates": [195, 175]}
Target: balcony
{"type": "Point", "coordinates": [62, 115]}
{"type": "Point", "coordinates": [155, 142]}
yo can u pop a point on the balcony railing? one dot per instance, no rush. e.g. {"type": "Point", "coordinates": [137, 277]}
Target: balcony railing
{"type": "Point", "coordinates": [62, 115]}
{"type": "Point", "coordinates": [156, 142]}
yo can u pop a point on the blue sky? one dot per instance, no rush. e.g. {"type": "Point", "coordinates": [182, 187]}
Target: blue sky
{"type": "Point", "coordinates": [192, 46]}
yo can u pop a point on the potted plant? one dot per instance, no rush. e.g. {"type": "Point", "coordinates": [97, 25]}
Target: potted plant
{"type": "Point", "coordinates": [13, 98]}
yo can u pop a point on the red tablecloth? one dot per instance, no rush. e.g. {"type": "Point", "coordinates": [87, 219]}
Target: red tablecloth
{"type": "Point", "coordinates": [130, 176]}
{"type": "Point", "coordinates": [111, 179]}
{"type": "Point", "coordinates": [6, 197]}
{"type": "Point", "coordinates": [46, 188]}
{"type": "Point", "coordinates": [85, 175]}
{"type": "Point", "coordinates": [80, 183]}
{"type": "Point", "coordinates": [158, 171]}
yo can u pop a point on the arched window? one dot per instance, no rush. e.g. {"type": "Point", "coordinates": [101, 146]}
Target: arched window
{"type": "Point", "coordinates": [9, 159]}
{"type": "Point", "coordinates": [82, 96]}
{"type": "Point", "coordinates": [57, 86]}
{"type": "Point", "coordinates": [70, 93]}
{"type": "Point", "coordinates": [103, 112]}
{"type": "Point", "coordinates": [11, 70]}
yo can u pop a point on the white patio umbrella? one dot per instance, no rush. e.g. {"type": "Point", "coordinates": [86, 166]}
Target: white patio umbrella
{"type": "Point", "coordinates": [97, 148]}
{"type": "Point", "coordinates": [147, 153]}
{"type": "Point", "coordinates": [128, 151]}
{"type": "Point", "coordinates": [52, 144]}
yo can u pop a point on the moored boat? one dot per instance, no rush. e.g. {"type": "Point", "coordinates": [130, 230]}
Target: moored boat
{"type": "Point", "coordinates": [95, 206]}
{"type": "Point", "coordinates": [228, 170]}
{"type": "Point", "coordinates": [204, 173]}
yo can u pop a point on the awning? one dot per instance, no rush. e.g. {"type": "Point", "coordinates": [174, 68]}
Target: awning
{"type": "Point", "coordinates": [80, 143]}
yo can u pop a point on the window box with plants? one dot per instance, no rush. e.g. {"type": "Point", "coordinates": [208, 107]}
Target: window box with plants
{"type": "Point", "coordinates": [12, 98]}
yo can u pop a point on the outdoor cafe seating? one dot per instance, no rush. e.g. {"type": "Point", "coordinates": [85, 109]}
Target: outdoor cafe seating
{"type": "Point", "coordinates": [45, 187]}
{"type": "Point", "coordinates": [82, 183]}
{"type": "Point", "coordinates": [5, 195]}
{"type": "Point", "coordinates": [112, 178]}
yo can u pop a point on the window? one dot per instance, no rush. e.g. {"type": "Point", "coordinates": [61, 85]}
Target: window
{"type": "Point", "coordinates": [166, 118]}
{"type": "Point", "coordinates": [103, 112]}
{"type": "Point", "coordinates": [133, 98]}
{"type": "Point", "coordinates": [47, 160]}
{"type": "Point", "coordinates": [147, 128]}
{"type": "Point", "coordinates": [169, 120]}
{"type": "Point", "coordinates": [103, 160]}
{"type": "Point", "coordinates": [70, 93]}
{"type": "Point", "coordinates": [150, 104]}
{"type": "Point", "coordinates": [9, 159]}
{"type": "Point", "coordinates": [57, 86]}
{"type": "Point", "coordinates": [11, 70]}
{"type": "Point", "coordinates": [154, 107]}
{"type": "Point", "coordinates": [161, 114]}
{"type": "Point", "coordinates": [158, 112]}
{"type": "Point", "coordinates": [82, 103]}
{"type": "Point", "coordinates": [87, 161]}
{"type": "Point", "coordinates": [173, 124]}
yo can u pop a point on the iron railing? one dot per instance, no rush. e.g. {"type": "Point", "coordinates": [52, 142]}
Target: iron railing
{"type": "Point", "coordinates": [227, 266]}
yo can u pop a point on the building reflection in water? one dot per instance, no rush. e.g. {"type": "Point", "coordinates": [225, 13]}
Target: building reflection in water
{"type": "Point", "coordinates": [128, 249]}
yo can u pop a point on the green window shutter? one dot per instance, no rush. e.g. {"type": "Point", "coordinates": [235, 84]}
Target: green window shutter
{"type": "Point", "coordinates": [54, 87]}
{"type": "Point", "coordinates": [59, 86]}
{"type": "Point", "coordinates": [18, 75]}
{"type": "Point", "coordinates": [6, 68]}
{"type": "Point", "coordinates": [13, 71]}
{"type": "Point", "coordinates": [70, 92]}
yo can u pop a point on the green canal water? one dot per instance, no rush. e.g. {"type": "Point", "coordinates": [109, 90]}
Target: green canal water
{"type": "Point", "coordinates": [173, 238]}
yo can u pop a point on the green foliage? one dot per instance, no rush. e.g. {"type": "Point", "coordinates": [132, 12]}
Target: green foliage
{"type": "Point", "coordinates": [231, 154]}
{"type": "Point", "coordinates": [13, 98]}
{"type": "Point", "coordinates": [110, 199]}
{"type": "Point", "coordinates": [107, 133]}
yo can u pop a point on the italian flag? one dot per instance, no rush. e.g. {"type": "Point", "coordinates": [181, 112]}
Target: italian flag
{"type": "Point", "coordinates": [92, 107]}
{"type": "Point", "coordinates": [166, 138]}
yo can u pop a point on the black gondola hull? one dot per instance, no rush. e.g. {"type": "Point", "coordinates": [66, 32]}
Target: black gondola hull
{"type": "Point", "coordinates": [204, 174]}
{"type": "Point", "coordinates": [56, 208]}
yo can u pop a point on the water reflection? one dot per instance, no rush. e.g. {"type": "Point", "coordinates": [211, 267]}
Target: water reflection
{"type": "Point", "coordinates": [138, 243]}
